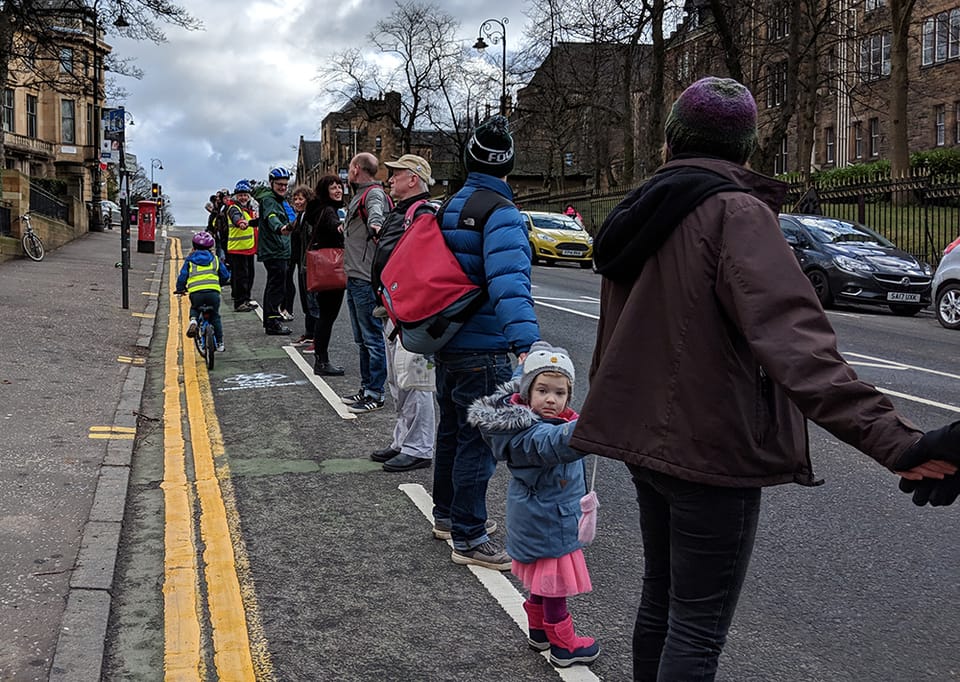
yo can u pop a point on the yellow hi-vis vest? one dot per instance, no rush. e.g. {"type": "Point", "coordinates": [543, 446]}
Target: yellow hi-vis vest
{"type": "Point", "coordinates": [242, 239]}
{"type": "Point", "coordinates": [203, 277]}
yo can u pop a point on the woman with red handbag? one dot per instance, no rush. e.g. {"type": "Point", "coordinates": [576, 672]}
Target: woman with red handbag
{"type": "Point", "coordinates": [325, 239]}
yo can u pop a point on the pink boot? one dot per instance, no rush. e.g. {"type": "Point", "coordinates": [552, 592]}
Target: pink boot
{"type": "Point", "coordinates": [536, 637]}
{"type": "Point", "coordinates": [566, 647]}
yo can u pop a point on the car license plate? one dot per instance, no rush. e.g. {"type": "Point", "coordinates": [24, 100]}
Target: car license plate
{"type": "Point", "coordinates": [567, 252]}
{"type": "Point", "coordinates": [903, 296]}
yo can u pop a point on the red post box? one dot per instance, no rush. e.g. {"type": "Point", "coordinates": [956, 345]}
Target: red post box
{"type": "Point", "coordinates": [146, 226]}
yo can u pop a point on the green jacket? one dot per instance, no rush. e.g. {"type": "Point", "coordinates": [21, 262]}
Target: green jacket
{"type": "Point", "coordinates": [273, 218]}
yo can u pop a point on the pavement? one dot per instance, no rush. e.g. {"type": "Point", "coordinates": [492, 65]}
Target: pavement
{"type": "Point", "coordinates": [70, 387]}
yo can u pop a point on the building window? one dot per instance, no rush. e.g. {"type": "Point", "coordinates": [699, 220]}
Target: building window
{"type": "Point", "coordinates": [66, 60]}
{"type": "Point", "coordinates": [378, 143]}
{"type": "Point", "coordinates": [940, 124]}
{"type": "Point", "coordinates": [776, 84]}
{"type": "Point", "coordinates": [779, 26]}
{"type": "Point", "coordinates": [89, 124]}
{"type": "Point", "coordinates": [780, 160]}
{"type": "Point", "coordinates": [875, 57]}
{"type": "Point", "coordinates": [874, 137]}
{"type": "Point", "coordinates": [941, 38]}
{"type": "Point", "coordinates": [870, 5]}
{"type": "Point", "coordinates": [956, 122]}
{"type": "Point", "coordinates": [9, 111]}
{"type": "Point", "coordinates": [32, 116]}
{"type": "Point", "coordinates": [68, 121]}
{"type": "Point", "coordinates": [830, 142]}
{"type": "Point", "coordinates": [858, 140]}
{"type": "Point", "coordinates": [30, 55]}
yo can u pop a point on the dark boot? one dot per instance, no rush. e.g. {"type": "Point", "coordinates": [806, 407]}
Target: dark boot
{"type": "Point", "coordinates": [323, 368]}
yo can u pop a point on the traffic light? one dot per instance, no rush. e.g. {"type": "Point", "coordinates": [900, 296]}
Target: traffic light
{"type": "Point", "coordinates": [159, 202]}
{"type": "Point", "coordinates": [155, 190]}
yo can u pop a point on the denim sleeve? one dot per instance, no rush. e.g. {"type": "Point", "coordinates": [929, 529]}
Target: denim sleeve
{"type": "Point", "coordinates": [543, 444]}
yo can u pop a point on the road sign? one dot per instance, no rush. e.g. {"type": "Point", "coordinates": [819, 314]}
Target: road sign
{"type": "Point", "coordinates": [114, 121]}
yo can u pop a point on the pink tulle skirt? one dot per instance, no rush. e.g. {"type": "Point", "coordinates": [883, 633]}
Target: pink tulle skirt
{"type": "Point", "coordinates": [561, 577]}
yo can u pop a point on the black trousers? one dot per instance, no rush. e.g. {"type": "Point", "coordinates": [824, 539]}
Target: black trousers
{"type": "Point", "coordinates": [309, 312]}
{"type": "Point", "coordinates": [273, 291]}
{"type": "Point", "coordinates": [242, 272]}
{"type": "Point", "coordinates": [289, 288]}
{"type": "Point", "coordinates": [326, 307]}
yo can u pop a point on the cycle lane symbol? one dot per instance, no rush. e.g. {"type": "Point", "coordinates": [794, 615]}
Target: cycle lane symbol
{"type": "Point", "coordinates": [243, 382]}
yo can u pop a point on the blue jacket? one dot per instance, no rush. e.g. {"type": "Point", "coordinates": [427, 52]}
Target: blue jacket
{"type": "Point", "coordinates": [498, 259]}
{"type": "Point", "coordinates": [543, 498]}
{"type": "Point", "coordinates": [199, 257]}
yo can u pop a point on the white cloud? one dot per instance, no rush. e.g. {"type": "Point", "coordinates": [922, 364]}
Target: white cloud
{"type": "Point", "coordinates": [231, 101]}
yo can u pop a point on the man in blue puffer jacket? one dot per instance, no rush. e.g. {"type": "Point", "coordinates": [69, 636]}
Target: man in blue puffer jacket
{"type": "Point", "coordinates": [495, 255]}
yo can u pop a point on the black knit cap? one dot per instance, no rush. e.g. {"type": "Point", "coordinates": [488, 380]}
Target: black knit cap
{"type": "Point", "coordinates": [490, 148]}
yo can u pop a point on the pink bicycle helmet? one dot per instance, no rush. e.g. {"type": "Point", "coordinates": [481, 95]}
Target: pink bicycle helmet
{"type": "Point", "coordinates": [203, 240]}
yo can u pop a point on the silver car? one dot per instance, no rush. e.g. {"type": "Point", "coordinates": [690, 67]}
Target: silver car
{"type": "Point", "coordinates": [110, 214]}
{"type": "Point", "coordinates": [946, 287]}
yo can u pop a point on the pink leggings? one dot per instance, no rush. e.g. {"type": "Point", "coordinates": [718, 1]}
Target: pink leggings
{"type": "Point", "coordinates": [554, 608]}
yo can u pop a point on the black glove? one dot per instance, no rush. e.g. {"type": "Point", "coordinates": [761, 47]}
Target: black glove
{"type": "Point", "coordinates": [942, 443]}
{"type": "Point", "coordinates": [938, 493]}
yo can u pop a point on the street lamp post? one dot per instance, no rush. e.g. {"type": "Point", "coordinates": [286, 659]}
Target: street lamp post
{"type": "Point", "coordinates": [496, 31]}
{"type": "Point", "coordinates": [155, 163]}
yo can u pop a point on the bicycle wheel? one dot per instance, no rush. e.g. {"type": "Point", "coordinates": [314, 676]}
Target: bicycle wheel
{"type": "Point", "coordinates": [32, 246]}
{"type": "Point", "coordinates": [209, 345]}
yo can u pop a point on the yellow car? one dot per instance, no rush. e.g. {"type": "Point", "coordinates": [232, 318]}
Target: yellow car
{"type": "Point", "coordinates": [555, 237]}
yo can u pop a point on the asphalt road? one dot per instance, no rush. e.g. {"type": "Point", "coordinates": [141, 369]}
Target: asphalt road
{"type": "Point", "coordinates": [342, 580]}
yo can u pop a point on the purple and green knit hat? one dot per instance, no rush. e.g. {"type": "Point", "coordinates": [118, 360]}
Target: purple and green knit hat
{"type": "Point", "coordinates": [714, 116]}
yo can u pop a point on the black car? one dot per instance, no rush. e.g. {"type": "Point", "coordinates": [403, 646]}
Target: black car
{"type": "Point", "coordinates": [848, 262]}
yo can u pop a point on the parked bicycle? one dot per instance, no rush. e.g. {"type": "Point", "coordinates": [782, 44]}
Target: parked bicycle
{"type": "Point", "coordinates": [32, 244]}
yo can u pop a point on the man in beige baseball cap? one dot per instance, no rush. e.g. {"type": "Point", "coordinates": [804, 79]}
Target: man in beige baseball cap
{"type": "Point", "coordinates": [415, 164]}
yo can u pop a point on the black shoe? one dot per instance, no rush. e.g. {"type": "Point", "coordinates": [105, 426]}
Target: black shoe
{"type": "Point", "coordinates": [384, 455]}
{"type": "Point", "coordinates": [325, 369]}
{"type": "Point", "coordinates": [278, 330]}
{"type": "Point", "coordinates": [405, 463]}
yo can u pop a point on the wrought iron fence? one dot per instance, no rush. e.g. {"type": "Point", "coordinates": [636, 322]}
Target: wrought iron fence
{"type": "Point", "coordinates": [920, 214]}
{"type": "Point", "coordinates": [41, 201]}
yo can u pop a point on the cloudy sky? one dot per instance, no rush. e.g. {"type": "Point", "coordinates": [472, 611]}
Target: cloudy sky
{"type": "Point", "coordinates": [232, 100]}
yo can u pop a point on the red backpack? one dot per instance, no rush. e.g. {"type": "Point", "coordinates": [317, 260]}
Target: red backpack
{"type": "Point", "coordinates": [427, 294]}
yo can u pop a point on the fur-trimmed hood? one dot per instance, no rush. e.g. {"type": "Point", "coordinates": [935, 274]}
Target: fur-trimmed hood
{"type": "Point", "coordinates": [498, 413]}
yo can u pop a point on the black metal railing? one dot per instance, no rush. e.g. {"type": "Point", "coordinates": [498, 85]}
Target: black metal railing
{"type": "Point", "coordinates": [41, 201]}
{"type": "Point", "coordinates": [920, 213]}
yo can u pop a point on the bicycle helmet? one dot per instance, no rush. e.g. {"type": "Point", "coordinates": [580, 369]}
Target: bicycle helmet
{"type": "Point", "coordinates": [203, 240]}
{"type": "Point", "coordinates": [242, 186]}
{"type": "Point", "coordinates": [279, 173]}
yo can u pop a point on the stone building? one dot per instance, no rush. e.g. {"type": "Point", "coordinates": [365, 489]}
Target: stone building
{"type": "Point", "coordinates": [49, 107]}
{"type": "Point", "coordinates": [848, 88]}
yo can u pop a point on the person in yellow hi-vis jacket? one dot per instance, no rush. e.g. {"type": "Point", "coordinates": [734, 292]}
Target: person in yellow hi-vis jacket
{"type": "Point", "coordinates": [201, 276]}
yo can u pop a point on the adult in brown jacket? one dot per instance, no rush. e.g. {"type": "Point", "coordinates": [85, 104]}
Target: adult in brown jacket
{"type": "Point", "coordinates": [709, 325]}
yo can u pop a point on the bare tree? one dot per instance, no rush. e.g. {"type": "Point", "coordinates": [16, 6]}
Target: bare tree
{"type": "Point", "coordinates": [901, 13]}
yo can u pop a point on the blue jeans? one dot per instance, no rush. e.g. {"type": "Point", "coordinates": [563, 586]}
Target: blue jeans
{"type": "Point", "coordinates": [368, 334]}
{"type": "Point", "coordinates": [463, 462]}
{"type": "Point", "coordinates": [697, 542]}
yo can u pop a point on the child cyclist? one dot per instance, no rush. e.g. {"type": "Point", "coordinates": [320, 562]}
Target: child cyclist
{"type": "Point", "coordinates": [528, 423]}
{"type": "Point", "coordinates": [201, 275]}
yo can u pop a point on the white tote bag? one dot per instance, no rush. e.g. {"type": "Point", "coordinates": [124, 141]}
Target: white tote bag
{"type": "Point", "coordinates": [414, 371]}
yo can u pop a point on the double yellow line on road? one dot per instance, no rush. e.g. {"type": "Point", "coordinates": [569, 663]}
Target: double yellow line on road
{"type": "Point", "coordinates": [183, 636]}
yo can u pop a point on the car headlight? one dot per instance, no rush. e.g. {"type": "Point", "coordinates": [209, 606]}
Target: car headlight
{"type": "Point", "coordinates": [546, 238]}
{"type": "Point", "coordinates": [852, 264]}
{"type": "Point", "coordinates": [927, 269]}
{"type": "Point", "coordinates": [590, 241]}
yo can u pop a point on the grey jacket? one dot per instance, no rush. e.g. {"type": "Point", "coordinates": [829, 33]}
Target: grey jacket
{"type": "Point", "coordinates": [358, 235]}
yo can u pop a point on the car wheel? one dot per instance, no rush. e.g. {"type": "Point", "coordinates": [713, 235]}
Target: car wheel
{"type": "Point", "coordinates": [533, 254]}
{"type": "Point", "coordinates": [948, 306]}
{"type": "Point", "coordinates": [821, 285]}
{"type": "Point", "coordinates": [905, 310]}
{"type": "Point", "coordinates": [586, 264]}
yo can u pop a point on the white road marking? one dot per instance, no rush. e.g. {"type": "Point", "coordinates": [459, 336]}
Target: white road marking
{"type": "Point", "coordinates": [569, 300]}
{"type": "Point", "coordinates": [566, 310]}
{"type": "Point", "coordinates": [899, 365]}
{"type": "Point", "coordinates": [923, 401]}
{"type": "Point", "coordinates": [510, 600]}
{"type": "Point", "coordinates": [328, 393]}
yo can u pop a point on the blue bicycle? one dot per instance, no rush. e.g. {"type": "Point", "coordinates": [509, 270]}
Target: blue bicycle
{"type": "Point", "coordinates": [205, 340]}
